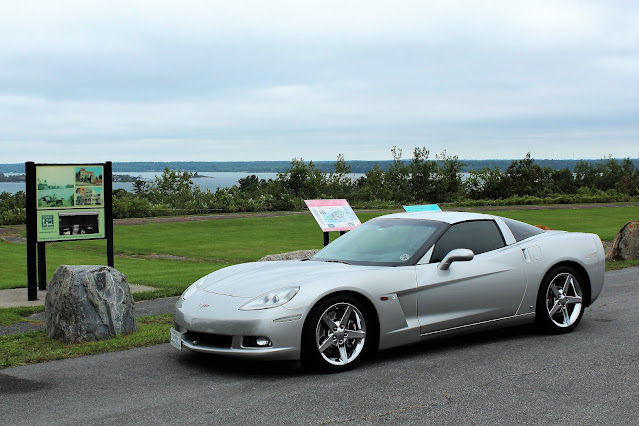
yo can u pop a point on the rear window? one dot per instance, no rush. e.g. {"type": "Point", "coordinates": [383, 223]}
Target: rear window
{"type": "Point", "coordinates": [521, 230]}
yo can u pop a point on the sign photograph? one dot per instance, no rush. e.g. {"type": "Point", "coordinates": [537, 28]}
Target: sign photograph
{"type": "Point", "coordinates": [61, 187]}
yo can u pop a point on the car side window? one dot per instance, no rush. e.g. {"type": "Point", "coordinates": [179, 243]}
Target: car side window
{"type": "Point", "coordinates": [479, 236]}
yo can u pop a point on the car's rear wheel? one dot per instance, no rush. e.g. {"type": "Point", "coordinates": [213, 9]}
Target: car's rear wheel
{"type": "Point", "coordinates": [560, 304]}
{"type": "Point", "coordinates": [337, 334]}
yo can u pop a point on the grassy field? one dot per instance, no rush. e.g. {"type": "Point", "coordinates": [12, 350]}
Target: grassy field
{"type": "Point", "coordinates": [603, 221]}
{"type": "Point", "coordinates": [170, 256]}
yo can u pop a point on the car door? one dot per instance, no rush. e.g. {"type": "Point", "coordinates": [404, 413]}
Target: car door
{"type": "Point", "coordinates": [488, 287]}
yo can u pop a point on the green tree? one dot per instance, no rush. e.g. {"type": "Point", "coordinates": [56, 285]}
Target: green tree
{"type": "Point", "coordinates": [13, 208]}
{"type": "Point", "coordinates": [448, 178]}
{"type": "Point", "coordinates": [370, 187]}
{"type": "Point", "coordinates": [339, 184]}
{"type": "Point", "coordinates": [563, 181]}
{"type": "Point", "coordinates": [397, 179]}
{"type": "Point", "coordinates": [629, 182]}
{"type": "Point", "coordinates": [139, 186]}
{"type": "Point", "coordinates": [611, 174]}
{"type": "Point", "coordinates": [484, 184]}
{"type": "Point", "coordinates": [249, 184]}
{"type": "Point", "coordinates": [302, 180]}
{"type": "Point", "coordinates": [524, 177]}
{"type": "Point", "coordinates": [175, 190]}
{"type": "Point", "coordinates": [422, 170]}
{"type": "Point", "coordinates": [587, 174]}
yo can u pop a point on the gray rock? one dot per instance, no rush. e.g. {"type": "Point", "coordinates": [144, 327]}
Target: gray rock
{"type": "Point", "coordinates": [291, 255]}
{"type": "Point", "coordinates": [626, 243]}
{"type": "Point", "coordinates": [86, 303]}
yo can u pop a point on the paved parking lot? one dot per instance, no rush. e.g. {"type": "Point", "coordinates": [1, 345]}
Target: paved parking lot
{"type": "Point", "coordinates": [512, 376]}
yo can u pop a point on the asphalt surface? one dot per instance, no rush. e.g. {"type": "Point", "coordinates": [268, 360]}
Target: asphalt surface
{"type": "Point", "coordinates": [511, 376]}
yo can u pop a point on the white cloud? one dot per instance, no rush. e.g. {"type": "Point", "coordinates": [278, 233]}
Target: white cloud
{"type": "Point", "coordinates": [227, 78]}
{"type": "Point", "coordinates": [64, 25]}
{"type": "Point", "coordinates": [621, 63]}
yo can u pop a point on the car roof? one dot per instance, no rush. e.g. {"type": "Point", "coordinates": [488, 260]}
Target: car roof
{"type": "Point", "coordinates": [440, 216]}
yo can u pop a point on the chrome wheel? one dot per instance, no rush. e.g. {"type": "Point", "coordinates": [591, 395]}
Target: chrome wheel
{"type": "Point", "coordinates": [564, 300]}
{"type": "Point", "coordinates": [340, 334]}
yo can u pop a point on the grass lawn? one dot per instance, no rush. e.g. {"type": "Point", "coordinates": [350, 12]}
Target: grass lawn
{"type": "Point", "coordinates": [603, 221]}
{"type": "Point", "coordinates": [33, 346]}
{"type": "Point", "coordinates": [198, 248]}
{"type": "Point", "coordinates": [169, 276]}
{"type": "Point", "coordinates": [206, 245]}
{"type": "Point", "coordinates": [229, 240]}
{"type": "Point", "coordinates": [10, 316]}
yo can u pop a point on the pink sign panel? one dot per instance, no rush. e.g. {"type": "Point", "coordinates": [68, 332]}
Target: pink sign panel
{"type": "Point", "coordinates": [333, 215]}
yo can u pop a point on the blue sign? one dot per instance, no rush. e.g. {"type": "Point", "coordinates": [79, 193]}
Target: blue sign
{"type": "Point", "coordinates": [424, 208]}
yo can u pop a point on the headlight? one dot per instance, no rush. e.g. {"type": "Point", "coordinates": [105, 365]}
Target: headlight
{"type": "Point", "coordinates": [271, 299]}
{"type": "Point", "coordinates": [189, 291]}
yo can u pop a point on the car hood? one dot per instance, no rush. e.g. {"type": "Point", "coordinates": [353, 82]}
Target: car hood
{"type": "Point", "coordinates": [253, 279]}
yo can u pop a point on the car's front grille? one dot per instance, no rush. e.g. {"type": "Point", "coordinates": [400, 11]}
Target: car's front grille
{"type": "Point", "coordinates": [208, 340]}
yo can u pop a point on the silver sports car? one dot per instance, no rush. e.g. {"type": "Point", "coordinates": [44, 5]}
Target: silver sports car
{"type": "Point", "coordinates": [395, 280]}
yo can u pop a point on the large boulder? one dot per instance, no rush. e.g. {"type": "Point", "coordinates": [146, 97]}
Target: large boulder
{"type": "Point", "coordinates": [626, 243]}
{"type": "Point", "coordinates": [86, 303]}
{"type": "Point", "coordinates": [291, 255]}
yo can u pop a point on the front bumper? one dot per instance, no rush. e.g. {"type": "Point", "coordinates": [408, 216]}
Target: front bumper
{"type": "Point", "coordinates": [211, 323]}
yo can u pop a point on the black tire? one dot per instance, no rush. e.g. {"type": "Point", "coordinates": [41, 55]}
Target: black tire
{"type": "Point", "coordinates": [560, 304]}
{"type": "Point", "coordinates": [326, 344]}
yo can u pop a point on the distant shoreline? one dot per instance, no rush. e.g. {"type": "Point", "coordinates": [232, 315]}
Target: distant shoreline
{"type": "Point", "coordinates": [357, 166]}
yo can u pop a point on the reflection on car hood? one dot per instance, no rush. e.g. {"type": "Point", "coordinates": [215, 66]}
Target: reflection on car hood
{"type": "Point", "coordinates": [254, 279]}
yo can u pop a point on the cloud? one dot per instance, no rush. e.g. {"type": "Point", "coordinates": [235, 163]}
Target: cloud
{"type": "Point", "coordinates": [125, 26]}
{"type": "Point", "coordinates": [314, 79]}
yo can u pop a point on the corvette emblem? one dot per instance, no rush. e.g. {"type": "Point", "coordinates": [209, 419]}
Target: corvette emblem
{"type": "Point", "coordinates": [204, 305]}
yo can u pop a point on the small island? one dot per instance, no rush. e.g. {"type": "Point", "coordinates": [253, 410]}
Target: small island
{"type": "Point", "coordinates": [22, 178]}
{"type": "Point", "coordinates": [12, 178]}
{"type": "Point", "coordinates": [199, 176]}
{"type": "Point", "coordinates": [125, 178]}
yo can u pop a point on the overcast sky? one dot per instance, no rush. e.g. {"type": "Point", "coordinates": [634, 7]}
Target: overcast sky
{"type": "Point", "coordinates": [213, 80]}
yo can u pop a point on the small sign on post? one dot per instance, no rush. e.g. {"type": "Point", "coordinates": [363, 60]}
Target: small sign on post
{"type": "Point", "coordinates": [423, 208]}
{"type": "Point", "coordinates": [333, 215]}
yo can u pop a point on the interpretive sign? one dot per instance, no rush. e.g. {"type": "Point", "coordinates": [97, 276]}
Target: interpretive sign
{"type": "Point", "coordinates": [70, 202]}
{"type": "Point", "coordinates": [66, 202]}
{"type": "Point", "coordinates": [333, 215]}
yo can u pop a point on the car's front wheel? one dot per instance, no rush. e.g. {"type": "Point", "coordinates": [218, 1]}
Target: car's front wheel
{"type": "Point", "coordinates": [338, 334]}
{"type": "Point", "coordinates": [560, 304]}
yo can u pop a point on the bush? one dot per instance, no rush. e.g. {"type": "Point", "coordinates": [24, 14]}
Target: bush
{"type": "Point", "coordinates": [418, 181]}
{"type": "Point", "coordinates": [127, 207]}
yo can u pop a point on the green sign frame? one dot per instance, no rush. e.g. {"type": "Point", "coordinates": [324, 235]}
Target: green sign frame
{"type": "Point", "coordinates": [66, 202]}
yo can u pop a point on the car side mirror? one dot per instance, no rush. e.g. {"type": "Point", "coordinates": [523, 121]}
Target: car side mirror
{"type": "Point", "coordinates": [457, 255]}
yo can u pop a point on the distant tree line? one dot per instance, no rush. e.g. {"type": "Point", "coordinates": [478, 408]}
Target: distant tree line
{"type": "Point", "coordinates": [11, 178]}
{"type": "Point", "coordinates": [356, 166]}
{"type": "Point", "coordinates": [419, 180]}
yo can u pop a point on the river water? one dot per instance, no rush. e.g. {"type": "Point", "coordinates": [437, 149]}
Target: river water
{"type": "Point", "coordinates": [211, 181]}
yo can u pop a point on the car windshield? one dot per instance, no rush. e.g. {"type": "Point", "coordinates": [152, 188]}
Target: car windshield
{"type": "Point", "coordinates": [386, 242]}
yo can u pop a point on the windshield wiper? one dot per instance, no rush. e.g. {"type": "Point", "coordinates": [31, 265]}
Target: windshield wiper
{"type": "Point", "coordinates": [336, 261]}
